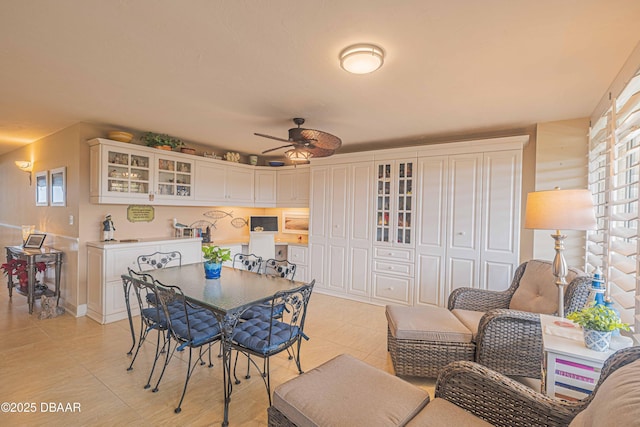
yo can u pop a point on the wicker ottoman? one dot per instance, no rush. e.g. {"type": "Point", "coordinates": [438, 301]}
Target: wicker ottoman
{"type": "Point", "coordinates": [345, 392]}
{"type": "Point", "coordinates": [422, 340]}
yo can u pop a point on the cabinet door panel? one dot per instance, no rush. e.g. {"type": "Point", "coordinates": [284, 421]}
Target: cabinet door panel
{"type": "Point", "coordinates": [430, 281]}
{"type": "Point", "coordinates": [359, 262]}
{"type": "Point", "coordinates": [338, 209]}
{"type": "Point", "coordinates": [462, 273]}
{"type": "Point", "coordinates": [319, 201]}
{"type": "Point", "coordinates": [317, 263]}
{"type": "Point", "coordinates": [240, 185]}
{"type": "Point", "coordinates": [211, 180]}
{"type": "Point", "coordinates": [496, 276]}
{"type": "Point", "coordinates": [501, 216]}
{"type": "Point", "coordinates": [265, 188]}
{"type": "Point", "coordinates": [464, 196]}
{"type": "Point", "coordinates": [361, 203]}
{"type": "Point", "coordinates": [337, 267]}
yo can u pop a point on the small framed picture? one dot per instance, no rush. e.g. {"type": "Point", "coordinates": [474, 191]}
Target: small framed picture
{"type": "Point", "coordinates": [42, 188]}
{"type": "Point", "coordinates": [295, 223]}
{"type": "Point", "coordinates": [59, 187]}
{"type": "Point", "coordinates": [34, 241]}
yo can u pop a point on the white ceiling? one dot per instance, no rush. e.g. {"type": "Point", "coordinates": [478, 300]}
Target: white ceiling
{"type": "Point", "coordinates": [214, 72]}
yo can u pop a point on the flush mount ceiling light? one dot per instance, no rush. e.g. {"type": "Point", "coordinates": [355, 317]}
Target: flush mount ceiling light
{"type": "Point", "coordinates": [361, 58]}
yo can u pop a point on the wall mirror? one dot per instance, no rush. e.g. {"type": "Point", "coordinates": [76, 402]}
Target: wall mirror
{"type": "Point", "coordinates": [59, 187]}
{"type": "Point", "coordinates": [42, 188]}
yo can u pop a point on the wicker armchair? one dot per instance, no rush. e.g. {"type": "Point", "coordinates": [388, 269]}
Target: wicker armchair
{"type": "Point", "coordinates": [502, 401]}
{"type": "Point", "coordinates": [510, 341]}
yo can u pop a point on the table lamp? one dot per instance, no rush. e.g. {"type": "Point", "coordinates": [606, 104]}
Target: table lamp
{"type": "Point", "coordinates": [560, 210]}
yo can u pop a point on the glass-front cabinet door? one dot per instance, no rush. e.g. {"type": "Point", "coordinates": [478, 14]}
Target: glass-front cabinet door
{"type": "Point", "coordinates": [128, 173]}
{"type": "Point", "coordinates": [174, 177]}
{"type": "Point", "coordinates": [394, 203]}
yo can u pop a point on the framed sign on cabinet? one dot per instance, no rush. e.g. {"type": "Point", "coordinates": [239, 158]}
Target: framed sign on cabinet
{"type": "Point", "coordinates": [59, 186]}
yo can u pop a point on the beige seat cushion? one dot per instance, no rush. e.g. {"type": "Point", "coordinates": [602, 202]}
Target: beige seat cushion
{"type": "Point", "coordinates": [470, 319]}
{"type": "Point", "coordinates": [434, 324]}
{"type": "Point", "coordinates": [617, 401]}
{"type": "Point", "coordinates": [440, 412]}
{"type": "Point", "coordinates": [538, 292]}
{"type": "Point", "coordinates": [348, 392]}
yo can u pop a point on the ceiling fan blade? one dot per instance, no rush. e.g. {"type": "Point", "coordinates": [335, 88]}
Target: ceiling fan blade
{"type": "Point", "coordinates": [272, 137]}
{"type": "Point", "coordinates": [321, 139]}
{"type": "Point", "coordinates": [277, 148]}
{"type": "Point", "coordinates": [320, 152]}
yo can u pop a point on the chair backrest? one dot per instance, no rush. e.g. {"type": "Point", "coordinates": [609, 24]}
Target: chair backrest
{"type": "Point", "coordinates": [144, 290]}
{"type": "Point", "coordinates": [282, 268]}
{"type": "Point", "coordinates": [262, 244]}
{"type": "Point", "coordinates": [159, 260]}
{"type": "Point", "coordinates": [295, 302]}
{"type": "Point", "coordinates": [534, 289]}
{"type": "Point", "coordinates": [249, 262]}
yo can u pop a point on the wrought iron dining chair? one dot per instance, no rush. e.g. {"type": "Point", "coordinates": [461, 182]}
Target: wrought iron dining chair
{"type": "Point", "coordinates": [249, 262]}
{"type": "Point", "coordinates": [151, 316]}
{"type": "Point", "coordinates": [282, 268]}
{"type": "Point", "coordinates": [190, 329]}
{"type": "Point", "coordinates": [146, 263]}
{"type": "Point", "coordinates": [264, 338]}
{"type": "Point", "coordinates": [159, 260]}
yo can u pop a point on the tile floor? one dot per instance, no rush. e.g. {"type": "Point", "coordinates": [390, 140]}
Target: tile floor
{"type": "Point", "coordinates": [70, 361]}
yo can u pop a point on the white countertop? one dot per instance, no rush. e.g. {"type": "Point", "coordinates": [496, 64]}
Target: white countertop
{"type": "Point", "coordinates": [129, 242]}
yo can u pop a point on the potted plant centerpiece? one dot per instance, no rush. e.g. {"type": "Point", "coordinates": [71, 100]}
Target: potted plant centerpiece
{"type": "Point", "coordinates": [597, 321]}
{"type": "Point", "coordinates": [214, 256]}
{"type": "Point", "coordinates": [161, 141]}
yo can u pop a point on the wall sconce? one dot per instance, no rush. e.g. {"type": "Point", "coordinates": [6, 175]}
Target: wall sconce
{"type": "Point", "coordinates": [25, 166]}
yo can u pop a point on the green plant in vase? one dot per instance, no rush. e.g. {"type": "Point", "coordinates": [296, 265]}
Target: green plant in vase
{"type": "Point", "coordinates": [161, 140]}
{"type": "Point", "coordinates": [597, 321]}
{"type": "Point", "coordinates": [214, 256]}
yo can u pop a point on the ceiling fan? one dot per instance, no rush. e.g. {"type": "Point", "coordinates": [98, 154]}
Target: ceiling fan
{"type": "Point", "coordinates": [306, 143]}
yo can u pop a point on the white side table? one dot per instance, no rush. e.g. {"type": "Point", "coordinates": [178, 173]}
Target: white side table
{"type": "Point", "coordinates": [571, 371]}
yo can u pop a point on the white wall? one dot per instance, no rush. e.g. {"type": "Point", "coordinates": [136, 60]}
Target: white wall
{"type": "Point", "coordinates": [561, 161]}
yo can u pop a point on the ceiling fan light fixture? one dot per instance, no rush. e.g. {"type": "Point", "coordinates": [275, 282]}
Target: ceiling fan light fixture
{"type": "Point", "coordinates": [361, 58]}
{"type": "Point", "coordinates": [298, 155]}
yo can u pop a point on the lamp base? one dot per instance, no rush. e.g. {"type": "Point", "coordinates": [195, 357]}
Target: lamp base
{"type": "Point", "coordinates": [560, 269]}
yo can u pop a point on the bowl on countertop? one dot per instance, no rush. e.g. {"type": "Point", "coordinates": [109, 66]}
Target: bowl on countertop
{"type": "Point", "coordinates": [274, 163]}
{"type": "Point", "coordinates": [117, 135]}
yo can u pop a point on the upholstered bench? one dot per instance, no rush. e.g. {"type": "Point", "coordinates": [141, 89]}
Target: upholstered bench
{"type": "Point", "coordinates": [423, 340]}
{"type": "Point", "coordinates": [346, 392]}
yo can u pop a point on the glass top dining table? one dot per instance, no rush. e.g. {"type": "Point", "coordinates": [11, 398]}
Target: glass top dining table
{"type": "Point", "coordinates": [226, 297]}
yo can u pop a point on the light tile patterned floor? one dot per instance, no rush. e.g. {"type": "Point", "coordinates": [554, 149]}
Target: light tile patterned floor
{"type": "Point", "coordinates": [71, 360]}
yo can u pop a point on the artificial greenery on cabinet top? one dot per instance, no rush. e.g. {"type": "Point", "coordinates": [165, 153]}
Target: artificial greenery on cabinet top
{"type": "Point", "coordinates": [152, 139]}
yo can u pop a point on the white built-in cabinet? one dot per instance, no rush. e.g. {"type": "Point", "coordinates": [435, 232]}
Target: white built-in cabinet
{"type": "Point", "coordinates": [224, 184]}
{"type": "Point", "coordinates": [293, 186]}
{"type": "Point", "coordinates": [107, 261]}
{"type": "Point", "coordinates": [438, 218]}
{"type": "Point", "coordinates": [122, 173]}
{"type": "Point", "coordinates": [340, 229]}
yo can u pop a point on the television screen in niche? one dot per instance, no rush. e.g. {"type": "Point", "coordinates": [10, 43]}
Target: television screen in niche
{"type": "Point", "coordinates": [263, 223]}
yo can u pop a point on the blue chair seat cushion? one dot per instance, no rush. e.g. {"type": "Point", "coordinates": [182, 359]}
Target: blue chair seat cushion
{"type": "Point", "coordinates": [254, 335]}
{"type": "Point", "coordinates": [151, 299]}
{"type": "Point", "coordinates": [203, 328]}
{"type": "Point", "coordinates": [156, 316]}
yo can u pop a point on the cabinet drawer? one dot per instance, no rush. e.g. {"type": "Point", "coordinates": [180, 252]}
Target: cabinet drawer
{"type": "Point", "coordinates": [392, 288]}
{"type": "Point", "coordinates": [297, 255]}
{"type": "Point", "coordinates": [398, 254]}
{"type": "Point", "coordinates": [383, 266]}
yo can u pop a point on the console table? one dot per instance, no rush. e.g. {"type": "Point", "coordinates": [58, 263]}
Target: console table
{"type": "Point", "coordinates": [31, 256]}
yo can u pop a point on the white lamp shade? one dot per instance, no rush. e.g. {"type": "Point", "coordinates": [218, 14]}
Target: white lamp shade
{"type": "Point", "coordinates": [560, 210]}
